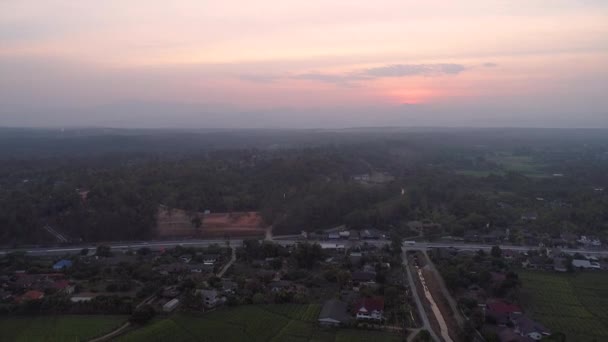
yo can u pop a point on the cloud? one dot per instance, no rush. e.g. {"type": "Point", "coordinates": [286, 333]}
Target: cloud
{"type": "Point", "coordinates": [490, 65]}
{"type": "Point", "coordinates": [402, 70]}
{"type": "Point", "coordinates": [260, 78]}
{"type": "Point", "coordinates": [342, 79]}
{"type": "Point", "coordinates": [347, 78]}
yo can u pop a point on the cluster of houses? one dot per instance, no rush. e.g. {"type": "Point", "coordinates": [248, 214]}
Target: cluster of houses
{"type": "Point", "coordinates": [529, 237]}
{"type": "Point", "coordinates": [21, 286]}
{"type": "Point", "coordinates": [511, 322]}
{"type": "Point", "coordinates": [341, 233]}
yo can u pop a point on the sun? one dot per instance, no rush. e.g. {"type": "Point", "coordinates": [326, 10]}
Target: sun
{"type": "Point", "coordinates": [412, 95]}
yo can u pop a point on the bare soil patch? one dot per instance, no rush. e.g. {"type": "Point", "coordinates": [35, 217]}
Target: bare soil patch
{"type": "Point", "coordinates": [178, 223]}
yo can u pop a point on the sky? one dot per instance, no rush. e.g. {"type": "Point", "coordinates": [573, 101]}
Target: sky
{"type": "Point", "coordinates": [303, 64]}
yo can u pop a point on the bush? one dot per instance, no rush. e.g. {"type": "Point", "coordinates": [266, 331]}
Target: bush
{"type": "Point", "coordinates": [142, 315]}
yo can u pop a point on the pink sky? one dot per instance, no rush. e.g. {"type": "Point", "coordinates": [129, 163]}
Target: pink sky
{"type": "Point", "coordinates": [303, 63]}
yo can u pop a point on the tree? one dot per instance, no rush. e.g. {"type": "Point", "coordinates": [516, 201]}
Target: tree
{"type": "Point", "coordinates": [496, 252]}
{"type": "Point", "coordinates": [343, 277]}
{"type": "Point", "coordinates": [143, 314]}
{"type": "Point", "coordinates": [197, 223]}
{"type": "Point", "coordinates": [424, 336]}
{"type": "Point", "coordinates": [103, 251]}
{"type": "Point", "coordinates": [257, 298]}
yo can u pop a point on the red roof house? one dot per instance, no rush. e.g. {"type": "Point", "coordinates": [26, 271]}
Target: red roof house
{"type": "Point", "coordinates": [502, 311]}
{"type": "Point", "coordinates": [369, 308]}
{"type": "Point", "coordinates": [31, 295]}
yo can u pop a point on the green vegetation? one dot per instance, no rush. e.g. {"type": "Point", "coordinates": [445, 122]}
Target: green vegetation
{"type": "Point", "coordinates": [289, 322]}
{"type": "Point", "coordinates": [574, 304]}
{"type": "Point", "coordinates": [57, 328]}
{"type": "Point", "coordinates": [299, 180]}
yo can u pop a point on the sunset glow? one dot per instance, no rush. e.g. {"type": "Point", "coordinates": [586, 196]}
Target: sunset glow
{"type": "Point", "coordinates": [237, 58]}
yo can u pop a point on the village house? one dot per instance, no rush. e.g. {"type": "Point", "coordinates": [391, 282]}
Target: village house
{"type": "Point", "coordinates": [560, 264]}
{"type": "Point", "coordinates": [229, 286]}
{"type": "Point", "coordinates": [524, 326]}
{"type": "Point", "coordinates": [62, 264]}
{"type": "Point", "coordinates": [334, 313]}
{"type": "Point", "coordinates": [362, 277]}
{"type": "Point", "coordinates": [30, 295]}
{"type": "Point", "coordinates": [369, 309]}
{"type": "Point", "coordinates": [171, 305]}
{"type": "Point", "coordinates": [209, 297]}
{"type": "Point", "coordinates": [502, 312]}
{"type": "Point", "coordinates": [585, 264]}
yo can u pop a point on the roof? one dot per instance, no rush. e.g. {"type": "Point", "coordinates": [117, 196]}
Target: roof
{"type": "Point", "coordinates": [64, 263]}
{"type": "Point", "coordinates": [363, 276]}
{"type": "Point", "coordinates": [526, 326]}
{"type": "Point", "coordinates": [369, 304]}
{"type": "Point", "coordinates": [32, 295]}
{"type": "Point", "coordinates": [61, 284]}
{"type": "Point", "coordinates": [581, 263]}
{"type": "Point", "coordinates": [502, 307]}
{"type": "Point", "coordinates": [335, 310]}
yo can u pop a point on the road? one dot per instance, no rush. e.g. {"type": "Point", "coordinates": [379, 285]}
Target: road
{"type": "Point", "coordinates": [156, 245]}
{"type": "Point", "coordinates": [227, 266]}
{"type": "Point", "coordinates": [426, 324]}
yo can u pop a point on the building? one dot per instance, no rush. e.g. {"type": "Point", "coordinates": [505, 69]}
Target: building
{"type": "Point", "coordinates": [62, 264]}
{"type": "Point", "coordinates": [281, 285]}
{"type": "Point", "coordinates": [333, 236]}
{"type": "Point", "coordinates": [334, 313]}
{"type": "Point", "coordinates": [31, 295]}
{"type": "Point", "coordinates": [524, 326]}
{"type": "Point", "coordinates": [364, 277]}
{"type": "Point", "coordinates": [338, 247]}
{"type": "Point", "coordinates": [82, 297]}
{"type": "Point", "coordinates": [369, 309]}
{"type": "Point", "coordinates": [529, 216]}
{"type": "Point", "coordinates": [585, 264]}
{"type": "Point", "coordinates": [63, 286]}
{"type": "Point", "coordinates": [210, 299]}
{"type": "Point", "coordinates": [502, 312]}
{"type": "Point", "coordinates": [559, 264]}
{"type": "Point", "coordinates": [171, 305]}
{"type": "Point", "coordinates": [229, 287]}
{"type": "Point", "coordinates": [210, 259]}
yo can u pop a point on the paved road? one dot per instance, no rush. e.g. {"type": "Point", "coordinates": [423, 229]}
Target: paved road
{"type": "Point", "coordinates": [156, 245]}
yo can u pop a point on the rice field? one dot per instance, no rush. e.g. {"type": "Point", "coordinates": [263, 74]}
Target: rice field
{"type": "Point", "coordinates": [285, 322]}
{"type": "Point", "coordinates": [61, 328]}
{"type": "Point", "coordinates": [574, 304]}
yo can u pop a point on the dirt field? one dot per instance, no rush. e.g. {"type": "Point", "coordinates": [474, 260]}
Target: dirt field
{"type": "Point", "coordinates": [178, 223]}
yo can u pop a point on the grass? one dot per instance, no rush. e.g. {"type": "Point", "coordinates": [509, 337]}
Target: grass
{"type": "Point", "coordinates": [574, 304]}
{"type": "Point", "coordinates": [478, 173]}
{"type": "Point", "coordinates": [525, 165]}
{"type": "Point", "coordinates": [57, 328]}
{"type": "Point", "coordinates": [287, 322]}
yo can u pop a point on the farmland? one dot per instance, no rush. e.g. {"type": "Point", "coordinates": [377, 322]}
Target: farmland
{"type": "Point", "coordinates": [576, 305]}
{"type": "Point", "coordinates": [57, 328]}
{"type": "Point", "coordinates": [288, 322]}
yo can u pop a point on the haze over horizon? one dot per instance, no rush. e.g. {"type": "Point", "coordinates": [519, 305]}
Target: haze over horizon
{"type": "Point", "coordinates": [303, 64]}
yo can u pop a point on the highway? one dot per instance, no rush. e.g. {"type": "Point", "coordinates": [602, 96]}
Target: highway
{"type": "Point", "coordinates": [157, 245]}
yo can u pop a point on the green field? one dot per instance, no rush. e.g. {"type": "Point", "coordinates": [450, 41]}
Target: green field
{"type": "Point", "coordinates": [508, 163]}
{"type": "Point", "coordinates": [478, 173]}
{"type": "Point", "coordinates": [57, 328]}
{"type": "Point", "coordinates": [575, 304]}
{"type": "Point", "coordinates": [286, 322]}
